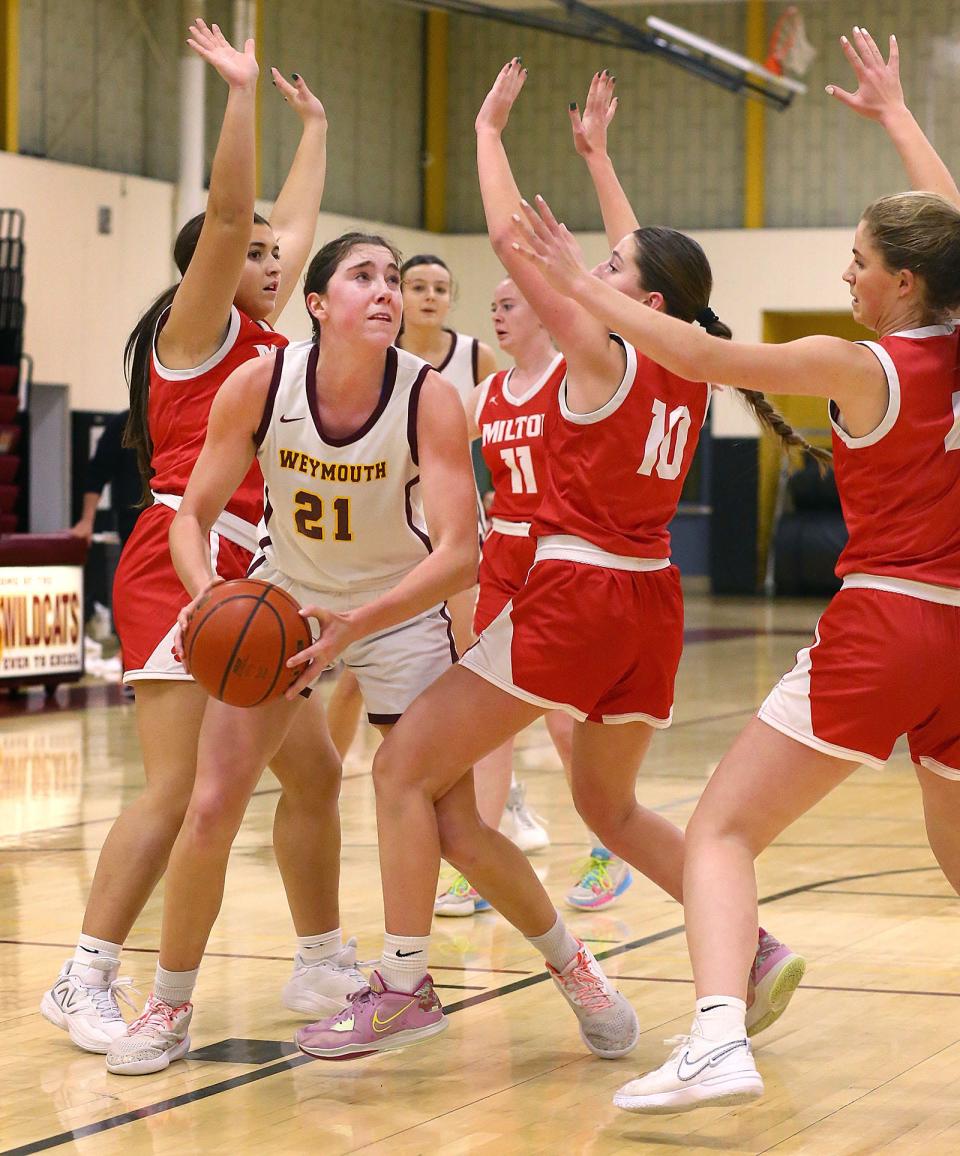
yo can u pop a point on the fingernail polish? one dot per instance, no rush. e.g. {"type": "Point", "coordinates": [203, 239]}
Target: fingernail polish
{"type": "Point", "coordinates": [295, 75]}
{"type": "Point", "coordinates": [573, 105]}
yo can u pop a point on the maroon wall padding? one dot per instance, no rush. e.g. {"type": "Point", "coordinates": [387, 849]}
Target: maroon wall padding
{"type": "Point", "coordinates": [42, 550]}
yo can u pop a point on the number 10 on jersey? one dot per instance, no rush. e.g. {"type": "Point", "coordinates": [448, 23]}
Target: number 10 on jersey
{"type": "Point", "coordinates": [666, 441]}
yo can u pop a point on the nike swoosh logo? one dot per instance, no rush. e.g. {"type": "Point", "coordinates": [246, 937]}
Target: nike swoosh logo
{"type": "Point", "coordinates": [380, 1025]}
{"type": "Point", "coordinates": [407, 954]}
{"type": "Point", "coordinates": [284, 418]}
{"type": "Point", "coordinates": [687, 1071]}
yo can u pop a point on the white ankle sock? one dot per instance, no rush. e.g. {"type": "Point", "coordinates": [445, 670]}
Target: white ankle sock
{"type": "Point", "coordinates": [92, 952]}
{"type": "Point", "coordinates": [313, 948]}
{"type": "Point", "coordinates": [403, 963]}
{"type": "Point", "coordinates": [721, 1017]}
{"type": "Point", "coordinates": [175, 987]}
{"type": "Point", "coordinates": [513, 781]}
{"type": "Point", "coordinates": [557, 946]}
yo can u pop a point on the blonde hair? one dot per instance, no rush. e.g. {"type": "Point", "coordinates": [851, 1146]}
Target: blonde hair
{"type": "Point", "coordinates": [920, 232]}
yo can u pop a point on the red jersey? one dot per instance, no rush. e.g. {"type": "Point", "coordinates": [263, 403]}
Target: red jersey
{"type": "Point", "coordinates": [900, 485]}
{"type": "Point", "coordinates": [179, 407]}
{"type": "Point", "coordinates": [615, 474]}
{"type": "Point", "coordinates": [511, 437]}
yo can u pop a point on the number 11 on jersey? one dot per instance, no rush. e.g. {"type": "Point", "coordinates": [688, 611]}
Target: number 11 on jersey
{"type": "Point", "coordinates": [519, 462]}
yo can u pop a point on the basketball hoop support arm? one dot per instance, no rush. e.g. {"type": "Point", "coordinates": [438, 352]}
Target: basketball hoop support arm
{"type": "Point", "coordinates": [588, 23]}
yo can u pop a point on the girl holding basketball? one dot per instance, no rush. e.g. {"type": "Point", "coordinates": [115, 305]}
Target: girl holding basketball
{"type": "Point", "coordinates": [601, 560]}
{"type": "Point", "coordinates": [883, 663]}
{"type": "Point", "coordinates": [238, 271]}
{"type": "Point", "coordinates": [428, 293]}
{"type": "Point", "coordinates": [370, 523]}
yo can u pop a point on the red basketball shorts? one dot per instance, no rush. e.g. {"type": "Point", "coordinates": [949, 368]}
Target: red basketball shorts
{"type": "Point", "coordinates": [148, 595]}
{"type": "Point", "coordinates": [602, 644]}
{"type": "Point", "coordinates": [504, 565]}
{"type": "Point", "coordinates": [882, 665]}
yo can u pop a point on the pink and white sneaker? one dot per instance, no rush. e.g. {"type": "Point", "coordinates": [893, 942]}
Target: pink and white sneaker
{"type": "Point", "coordinates": [608, 1023]}
{"type": "Point", "coordinates": [377, 1019]}
{"type": "Point", "coordinates": [774, 977]}
{"type": "Point", "coordinates": [153, 1041]}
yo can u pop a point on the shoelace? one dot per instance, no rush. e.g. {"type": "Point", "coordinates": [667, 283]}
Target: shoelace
{"type": "Point", "coordinates": [461, 887]}
{"type": "Point", "coordinates": [585, 988]}
{"type": "Point", "coordinates": [156, 1015]}
{"type": "Point", "coordinates": [524, 817]}
{"type": "Point", "coordinates": [595, 872]}
{"type": "Point", "coordinates": [767, 946]}
{"type": "Point", "coordinates": [104, 999]}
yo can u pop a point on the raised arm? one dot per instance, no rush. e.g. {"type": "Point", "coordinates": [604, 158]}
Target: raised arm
{"type": "Point", "coordinates": [227, 454]}
{"type": "Point", "coordinates": [817, 366]}
{"type": "Point", "coordinates": [590, 141]}
{"type": "Point", "coordinates": [574, 331]}
{"type": "Point", "coordinates": [879, 97]}
{"type": "Point", "coordinates": [294, 216]}
{"type": "Point", "coordinates": [201, 308]}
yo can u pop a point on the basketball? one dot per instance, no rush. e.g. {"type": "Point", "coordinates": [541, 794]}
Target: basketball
{"type": "Point", "coordinates": [239, 638]}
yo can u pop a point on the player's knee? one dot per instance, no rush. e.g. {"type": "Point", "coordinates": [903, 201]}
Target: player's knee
{"type": "Point", "coordinates": [601, 813]}
{"type": "Point", "coordinates": [213, 817]}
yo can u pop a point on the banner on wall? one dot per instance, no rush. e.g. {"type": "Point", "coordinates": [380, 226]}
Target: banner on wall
{"type": "Point", "coordinates": [41, 621]}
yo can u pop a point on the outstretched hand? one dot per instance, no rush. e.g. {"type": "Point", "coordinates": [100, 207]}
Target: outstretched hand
{"type": "Point", "coordinates": [299, 97]}
{"type": "Point", "coordinates": [590, 130]}
{"type": "Point", "coordinates": [878, 82]}
{"type": "Point", "coordinates": [495, 110]}
{"type": "Point", "coordinates": [550, 247]}
{"type": "Point", "coordinates": [238, 69]}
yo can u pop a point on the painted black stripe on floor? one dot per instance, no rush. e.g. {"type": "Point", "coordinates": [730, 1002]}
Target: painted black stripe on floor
{"type": "Point", "coordinates": [471, 1001]}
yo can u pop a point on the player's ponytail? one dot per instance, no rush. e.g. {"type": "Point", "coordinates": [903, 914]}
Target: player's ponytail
{"type": "Point", "coordinates": [675, 266]}
{"type": "Point", "coordinates": [139, 348]}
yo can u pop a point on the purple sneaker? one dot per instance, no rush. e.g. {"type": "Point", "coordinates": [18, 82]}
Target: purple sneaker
{"type": "Point", "coordinates": [774, 977]}
{"type": "Point", "coordinates": [375, 1020]}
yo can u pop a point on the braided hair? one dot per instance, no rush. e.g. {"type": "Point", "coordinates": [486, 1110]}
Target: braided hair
{"type": "Point", "coordinates": [675, 266]}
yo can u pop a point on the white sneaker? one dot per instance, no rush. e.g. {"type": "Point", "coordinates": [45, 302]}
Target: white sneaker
{"type": "Point", "coordinates": [323, 988]}
{"type": "Point", "coordinates": [601, 880]}
{"type": "Point", "coordinates": [521, 825]}
{"type": "Point", "coordinates": [608, 1023]}
{"type": "Point", "coordinates": [699, 1073]}
{"type": "Point", "coordinates": [460, 899]}
{"type": "Point", "coordinates": [83, 1002]}
{"type": "Point", "coordinates": [153, 1041]}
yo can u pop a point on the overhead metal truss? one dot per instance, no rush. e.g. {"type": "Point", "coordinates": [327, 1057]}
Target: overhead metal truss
{"type": "Point", "coordinates": [585, 22]}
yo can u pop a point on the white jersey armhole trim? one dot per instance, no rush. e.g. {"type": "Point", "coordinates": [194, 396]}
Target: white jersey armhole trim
{"type": "Point", "coordinates": [483, 392]}
{"type": "Point", "coordinates": [523, 398]}
{"type": "Point", "coordinates": [889, 419]}
{"type": "Point", "coordinates": [610, 407]}
{"type": "Point", "coordinates": [233, 330]}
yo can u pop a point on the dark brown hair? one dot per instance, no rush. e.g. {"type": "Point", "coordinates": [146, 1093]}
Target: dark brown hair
{"type": "Point", "coordinates": [327, 259]}
{"type": "Point", "coordinates": [675, 266]}
{"type": "Point", "coordinates": [138, 349]}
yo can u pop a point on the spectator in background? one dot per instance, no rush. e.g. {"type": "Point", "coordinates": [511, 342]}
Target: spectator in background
{"type": "Point", "coordinates": [111, 463]}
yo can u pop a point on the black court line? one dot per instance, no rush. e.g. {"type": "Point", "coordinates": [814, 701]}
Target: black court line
{"type": "Point", "coordinates": [946, 897]}
{"type": "Point", "coordinates": [470, 1001]}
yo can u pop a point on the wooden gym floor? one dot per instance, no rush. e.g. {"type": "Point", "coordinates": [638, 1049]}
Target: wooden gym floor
{"type": "Point", "coordinates": [867, 1060]}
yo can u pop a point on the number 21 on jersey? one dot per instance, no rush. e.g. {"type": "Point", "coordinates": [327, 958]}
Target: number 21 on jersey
{"type": "Point", "coordinates": [308, 517]}
{"type": "Point", "coordinates": [666, 441]}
